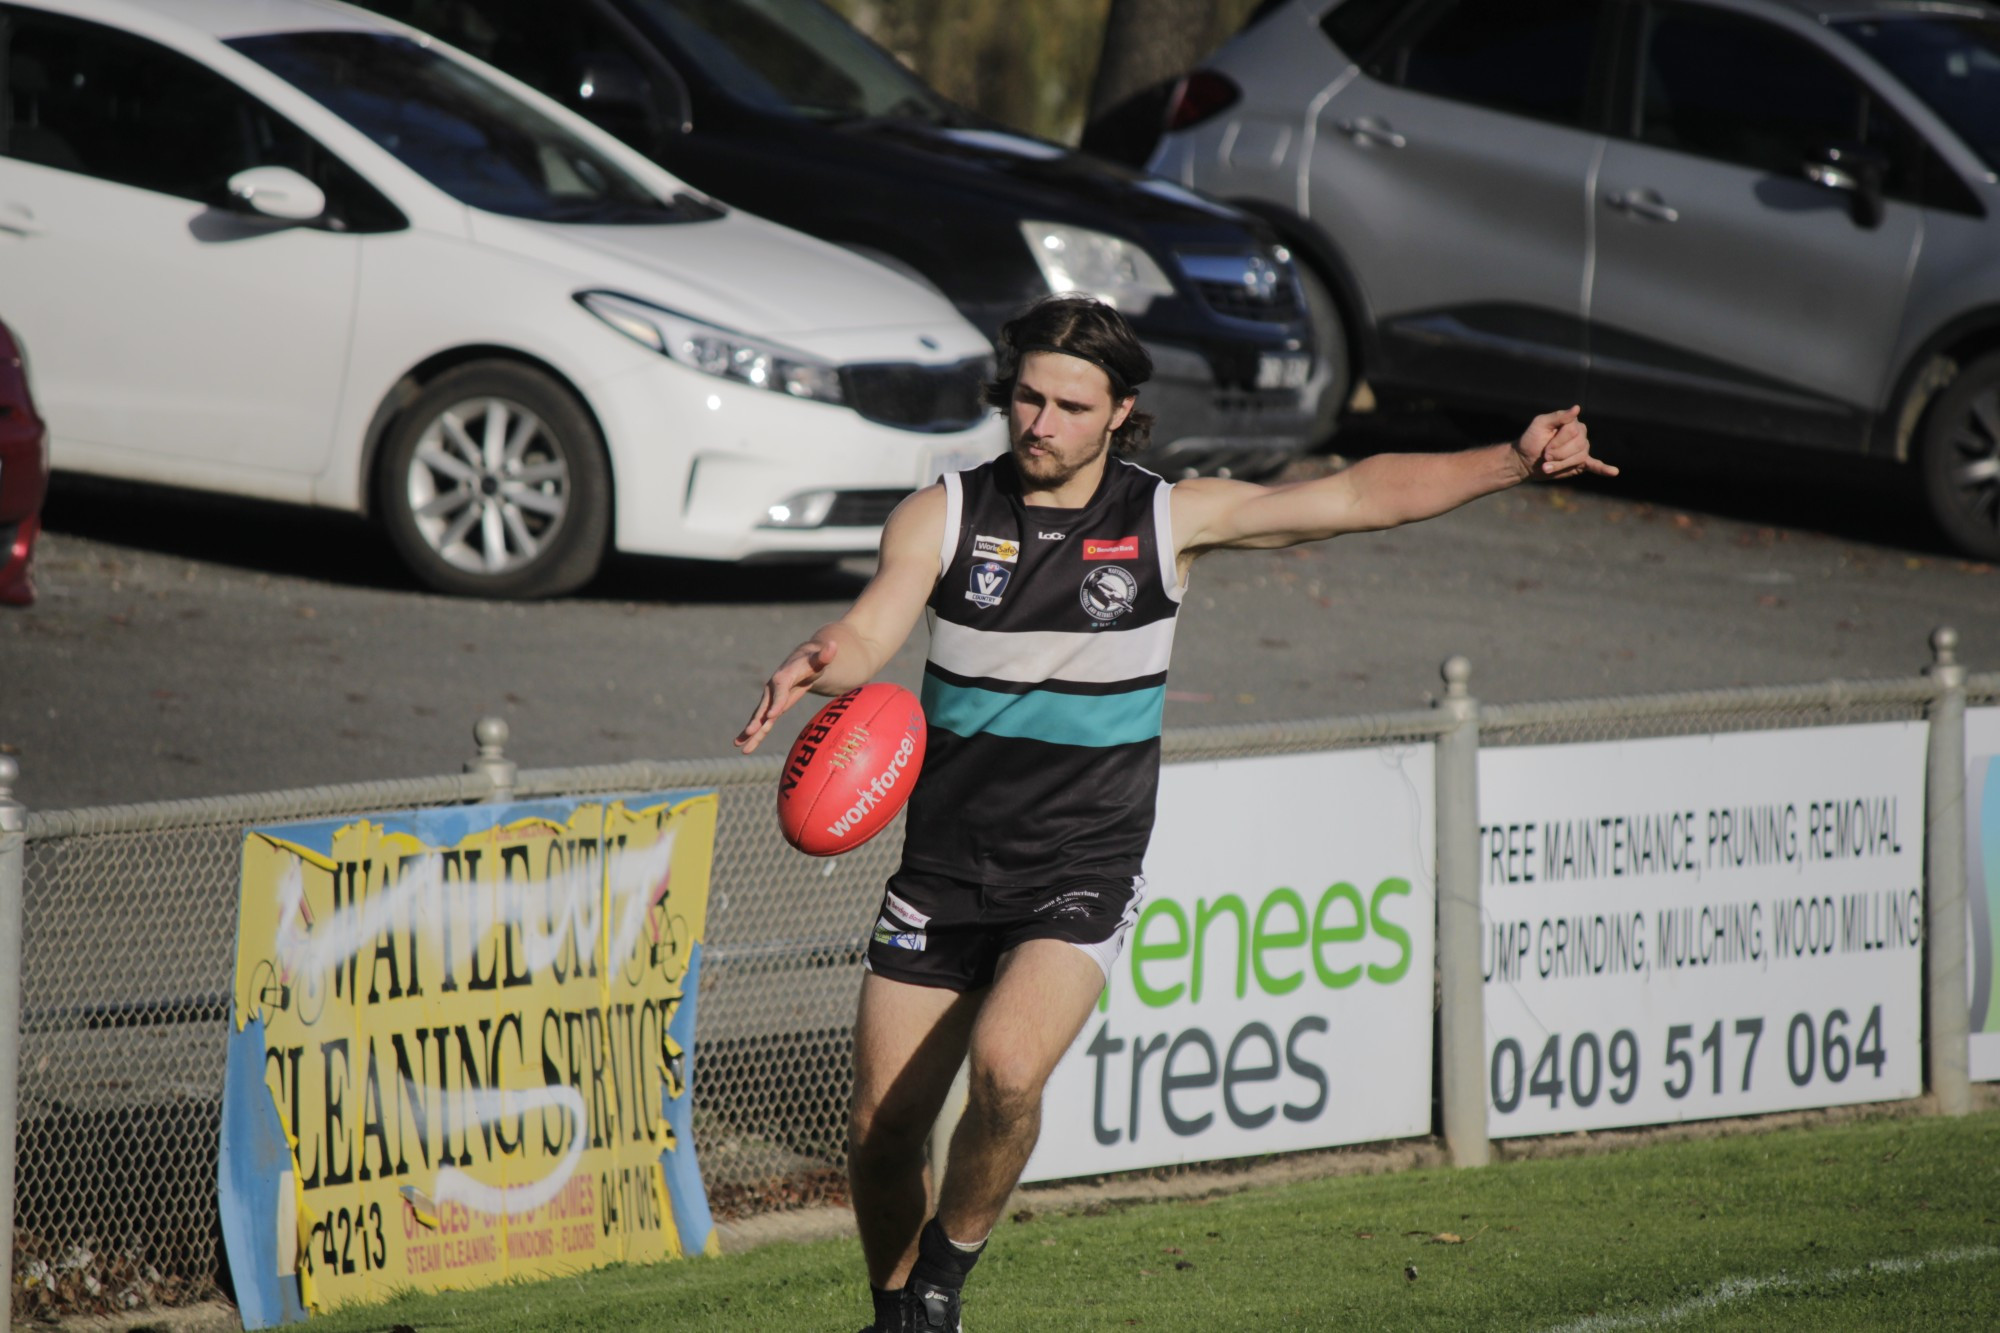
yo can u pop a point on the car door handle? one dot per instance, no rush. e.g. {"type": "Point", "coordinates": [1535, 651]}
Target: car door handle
{"type": "Point", "coordinates": [1367, 129]}
{"type": "Point", "coordinates": [1644, 203]}
{"type": "Point", "coordinates": [18, 220]}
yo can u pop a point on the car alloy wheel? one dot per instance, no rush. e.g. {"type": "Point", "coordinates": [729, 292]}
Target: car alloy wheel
{"type": "Point", "coordinates": [493, 484]}
{"type": "Point", "coordinates": [1960, 460]}
{"type": "Point", "coordinates": [487, 486]}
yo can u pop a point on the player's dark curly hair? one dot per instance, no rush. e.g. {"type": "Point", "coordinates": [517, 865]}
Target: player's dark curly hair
{"type": "Point", "coordinates": [1081, 326]}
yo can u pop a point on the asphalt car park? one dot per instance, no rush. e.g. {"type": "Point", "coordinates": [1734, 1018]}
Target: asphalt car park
{"type": "Point", "coordinates": [1759, 222]}
{"type": "Point", "coordinates": [188, 645]}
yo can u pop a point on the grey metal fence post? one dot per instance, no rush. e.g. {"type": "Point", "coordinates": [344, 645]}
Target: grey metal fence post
{"type": "Point", "coordinates": [13, 859]}
{"type": "Point", "coordinates": [1947, 1001]}
{"type": "Point", "coordinates": [491, 733]}
{"type": "Point", "coordinates": [1462, 999]}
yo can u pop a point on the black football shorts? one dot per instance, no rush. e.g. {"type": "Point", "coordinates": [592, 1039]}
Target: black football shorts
{"type": "Point", "coordinates": [933, 930]}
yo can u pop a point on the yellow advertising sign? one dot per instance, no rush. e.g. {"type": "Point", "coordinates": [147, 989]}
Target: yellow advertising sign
{"type": "Point", "coordinates": [463, 1049]}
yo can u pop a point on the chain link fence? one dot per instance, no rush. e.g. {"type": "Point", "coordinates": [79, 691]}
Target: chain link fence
{"type": "Point", "coordinates": [129, 942]}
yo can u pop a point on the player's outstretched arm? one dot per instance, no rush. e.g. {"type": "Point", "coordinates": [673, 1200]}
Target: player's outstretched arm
{"type": "Point", "coordinates": [849, 651]}
{"type": "Point", "coordinates": [1384, 491]}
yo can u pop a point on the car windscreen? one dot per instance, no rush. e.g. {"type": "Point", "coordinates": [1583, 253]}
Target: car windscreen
{"type": "Point", "coordinates": [1952, 61]}
{"type": "Point", "coordinates": [463, 133]}
{"type": "Point", "coordinates": [794, 56]}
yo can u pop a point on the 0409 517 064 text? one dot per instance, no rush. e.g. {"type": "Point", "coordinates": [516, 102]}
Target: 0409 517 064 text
{"type": "Point", "coordinates": [1760, 950]}
{"type": "Point", "coordinates": [1724, 1058]}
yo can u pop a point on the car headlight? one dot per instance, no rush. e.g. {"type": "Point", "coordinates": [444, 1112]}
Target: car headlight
{"type": "Point", "coordinates": [717, 351]}
{"type": "Point", "coordinates": [1111, 268]}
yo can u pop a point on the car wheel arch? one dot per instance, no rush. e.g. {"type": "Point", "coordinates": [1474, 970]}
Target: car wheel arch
{"type": "Point", "coordinates": [1925, 375]}
{"type": "Point", "coordinates": [1317, 251]}
{"type": "Point", "coordinates": [411, 383]}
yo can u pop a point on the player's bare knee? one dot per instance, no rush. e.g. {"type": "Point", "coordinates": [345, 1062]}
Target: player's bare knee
{"type": "Point", "coordinates": [886, 1132]}
{"type": "Point", "coordinates": [1003, 1092]}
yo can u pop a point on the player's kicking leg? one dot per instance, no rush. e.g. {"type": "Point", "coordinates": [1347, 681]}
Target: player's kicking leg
{"type": "Point", "coordinates": [908, 1043]}
{"type": "Point", "coordinates": [1042, 993]}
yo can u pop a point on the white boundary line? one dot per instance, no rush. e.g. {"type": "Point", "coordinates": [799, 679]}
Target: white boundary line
{"type": "Point", "coordinates": [1736, 1289]}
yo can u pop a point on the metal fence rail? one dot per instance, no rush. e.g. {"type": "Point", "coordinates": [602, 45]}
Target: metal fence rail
{"type": "Point", "coordinates": [129, 939]}
{"type": "Point", "coordinates": [128, 942]}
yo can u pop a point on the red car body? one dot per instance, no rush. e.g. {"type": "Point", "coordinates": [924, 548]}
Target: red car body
{"type": "Point", "coordinates": [24, 475]}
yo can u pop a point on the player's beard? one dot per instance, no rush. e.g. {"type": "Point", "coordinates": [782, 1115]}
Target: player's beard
{"type": "Point", "coordinates": [1052, 470]}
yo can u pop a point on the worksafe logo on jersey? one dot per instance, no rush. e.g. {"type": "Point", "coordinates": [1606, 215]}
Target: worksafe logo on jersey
{"type": "Point", "coordinates": [989, 581]}
{"type": "Point", "coordinates": [1110, 548]}
{"type": "Point", "coordinates": [1109, 593]}
{"type": "Point", "coordinates": [1004, 549]}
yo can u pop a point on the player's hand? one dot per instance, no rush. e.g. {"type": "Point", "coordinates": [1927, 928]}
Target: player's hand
{"type": "Point", "coordinates": [793, 679]}
{"type": "Point", "coordinates": [1557, 445]}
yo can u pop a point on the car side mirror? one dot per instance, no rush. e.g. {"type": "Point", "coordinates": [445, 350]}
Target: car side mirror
{"type": "Point", "coordinates": [276, 192]}
{"type": "Point", "coordinates": [1857, 171]}
{"type": "Point", "coordinates": [611, 80]}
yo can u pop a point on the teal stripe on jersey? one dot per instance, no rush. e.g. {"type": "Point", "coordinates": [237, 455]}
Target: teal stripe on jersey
{"type": "Point", "coordinates": [1095, 720]}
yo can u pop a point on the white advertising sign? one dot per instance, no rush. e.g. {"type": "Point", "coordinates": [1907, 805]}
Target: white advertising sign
{"type": "Point", "coordinates": [1701, 926]}
{"type": "Point", "coordinates": [1275, 993]}
{"type": "Point", "coordinates": [1982, 884]}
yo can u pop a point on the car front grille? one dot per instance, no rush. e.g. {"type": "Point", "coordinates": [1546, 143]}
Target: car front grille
{"type": "Point", "coordinates": [1240, 302]}
{"type": "Point", "coordinates": [862, 509]}
{"type": "Point", "coordinates": [1256, 287]}
{"type": "Point", "coordinates": [922, 398]}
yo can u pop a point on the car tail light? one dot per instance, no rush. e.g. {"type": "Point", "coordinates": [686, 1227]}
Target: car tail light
{"type": "Point", "coordinates": [1200, 95]}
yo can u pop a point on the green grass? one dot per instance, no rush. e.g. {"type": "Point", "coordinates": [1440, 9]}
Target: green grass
{"type": "Point", "coordinates": [1868, 1225]}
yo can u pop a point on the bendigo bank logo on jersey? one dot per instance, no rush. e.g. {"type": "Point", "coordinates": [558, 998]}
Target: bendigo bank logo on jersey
{"type": "Point", "coordinates": [1108, 592]}
{"type": "Point", "coordinates": [1110, 548]}
{"type": "Point", "coordinates": [989, 581]}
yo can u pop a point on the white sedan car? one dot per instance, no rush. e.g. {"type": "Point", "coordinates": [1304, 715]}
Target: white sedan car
{"type": "Point", "coordinates": [283, 248]}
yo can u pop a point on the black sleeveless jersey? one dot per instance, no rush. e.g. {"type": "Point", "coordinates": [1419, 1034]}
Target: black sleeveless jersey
{"type": "Point", "coordinates": [1050, 635]}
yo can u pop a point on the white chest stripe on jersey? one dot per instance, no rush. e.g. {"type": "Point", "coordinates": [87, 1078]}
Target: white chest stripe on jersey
{"type": "Point", "coordinates": [1033, 656]}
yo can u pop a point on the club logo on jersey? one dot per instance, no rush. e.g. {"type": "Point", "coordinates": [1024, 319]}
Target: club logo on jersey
{"type": "Point", "coordinates": [989, 581]}
{"type": "Point", "coordinates": [1110, 548]}
{"type": "Point", "coordinates": [1108, 593]}
{"type": "Point", "coordinates": [1003, 549]}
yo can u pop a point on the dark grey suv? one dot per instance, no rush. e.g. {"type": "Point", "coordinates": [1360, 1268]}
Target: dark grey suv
{"type": "Point", "coordinates": [1762, 220]}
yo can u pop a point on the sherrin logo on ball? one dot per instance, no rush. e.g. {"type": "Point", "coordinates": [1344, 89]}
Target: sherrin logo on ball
{"type": "Point", "coordinates": [851, 769]}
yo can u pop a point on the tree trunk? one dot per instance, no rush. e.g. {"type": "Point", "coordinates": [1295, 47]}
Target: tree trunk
{"type": "Point", "coordinates": [1146, 44]}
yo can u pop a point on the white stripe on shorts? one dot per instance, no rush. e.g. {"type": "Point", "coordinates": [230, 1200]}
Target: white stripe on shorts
{"type": "Point", "coordinates": [1105, 952]}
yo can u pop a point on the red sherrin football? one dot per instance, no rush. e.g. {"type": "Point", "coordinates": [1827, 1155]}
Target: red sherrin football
{"type": "Point", "coordinates": [851, 769]}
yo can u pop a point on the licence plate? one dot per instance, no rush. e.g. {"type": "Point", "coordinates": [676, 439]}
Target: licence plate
{"type": "Point", "coordinates": [1283, 370]}
{"type": "Point", "coordinates": [956, 458]}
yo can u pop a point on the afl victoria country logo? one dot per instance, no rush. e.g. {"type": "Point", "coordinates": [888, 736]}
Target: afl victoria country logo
{"type": "Point", "coordinates": [989, 581]}
{"type": "Point", "coordinates": [1108, 593]}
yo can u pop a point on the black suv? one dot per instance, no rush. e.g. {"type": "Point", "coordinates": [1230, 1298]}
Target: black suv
{"type": "Point", "coordinates": [783, 109]}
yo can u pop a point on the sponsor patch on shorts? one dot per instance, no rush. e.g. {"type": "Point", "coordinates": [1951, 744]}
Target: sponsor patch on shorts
{"type": "Point", "coordinates": [904, 912]}
{"type": "Point", "coordinates": [1003, 549]}
{"type": "Point", "coordinates": [887, 932]}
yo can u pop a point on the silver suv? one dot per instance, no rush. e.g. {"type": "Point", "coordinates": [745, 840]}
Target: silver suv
{"type": "Point", "coordinates": [1756, 219]}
